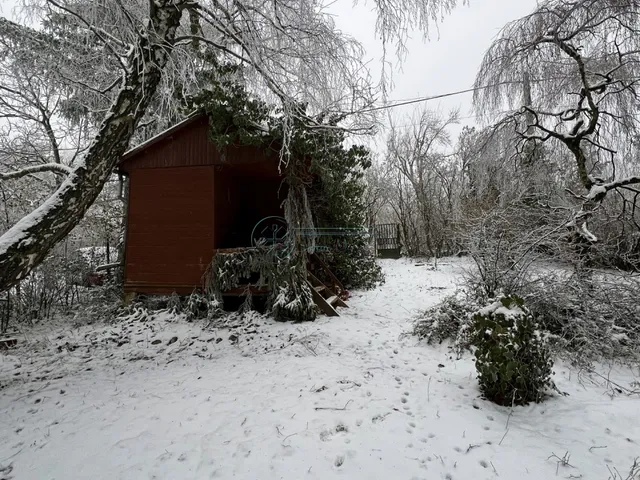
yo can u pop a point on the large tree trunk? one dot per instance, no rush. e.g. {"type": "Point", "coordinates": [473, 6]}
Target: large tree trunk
{"type": "Point", "coordinates": [25, 245]}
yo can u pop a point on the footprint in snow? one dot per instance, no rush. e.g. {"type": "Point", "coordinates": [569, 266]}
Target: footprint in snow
{"type": "Point", "coordinates": [326, 435]}
{"type": "Point", "coordinates": [379, 418]}
{"type": "Point", "coordinates": [165, 456]}
{"type": "Point", "coordinates": [339, 461]}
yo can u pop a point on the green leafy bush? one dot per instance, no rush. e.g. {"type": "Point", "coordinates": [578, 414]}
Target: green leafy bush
{"type": "Point", "coordinates": [512, 358]}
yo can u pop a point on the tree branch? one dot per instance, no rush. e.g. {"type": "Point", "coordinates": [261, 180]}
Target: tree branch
{"type": "Point", "coordinates": [57, 168]}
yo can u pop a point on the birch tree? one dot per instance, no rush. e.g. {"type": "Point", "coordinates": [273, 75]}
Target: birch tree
{"type": "Point", "coordinates": [123, 62]}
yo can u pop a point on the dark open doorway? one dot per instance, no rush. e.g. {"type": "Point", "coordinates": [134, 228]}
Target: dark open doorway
{"type": "Point", "coordinates": [242, 200]}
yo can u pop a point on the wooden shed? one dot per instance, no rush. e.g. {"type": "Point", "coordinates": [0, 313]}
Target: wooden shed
{"type": "Point", "coordinates": [188, 198]}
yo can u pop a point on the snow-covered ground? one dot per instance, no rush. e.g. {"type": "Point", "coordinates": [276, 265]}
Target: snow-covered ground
{"type": "Point", "coordinates": [348, 397]}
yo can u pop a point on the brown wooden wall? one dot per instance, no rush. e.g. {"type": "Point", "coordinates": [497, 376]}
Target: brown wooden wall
{"type": "Point", "coordinates": [186, 198]}
{"type": "Point", "coordinates": [170, 229]}
{"type": "Point", "coordinates": [190, 146]}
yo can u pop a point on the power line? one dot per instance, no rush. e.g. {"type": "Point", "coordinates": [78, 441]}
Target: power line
{"type": "Point", "coordinates": [400, 103]}
{"type": "Point", "coordinates": [416, 123]}
{"type": "Point", "coordinates": [419, 100]}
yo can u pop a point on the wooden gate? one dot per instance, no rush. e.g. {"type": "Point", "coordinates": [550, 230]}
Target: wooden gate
{"type": "Point", "coordinates": [387, 240]}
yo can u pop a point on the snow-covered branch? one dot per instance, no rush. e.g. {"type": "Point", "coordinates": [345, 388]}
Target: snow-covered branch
{"type": "Point", "coordinates": [47, 167]}
{"type": "Point", "coordinates": [598, 192]}
{"type": "Point", "coordinates": [104, 36]}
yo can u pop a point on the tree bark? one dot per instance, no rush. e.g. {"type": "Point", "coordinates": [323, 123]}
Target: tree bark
{"type": "Point", "coordinates": [26, 244]}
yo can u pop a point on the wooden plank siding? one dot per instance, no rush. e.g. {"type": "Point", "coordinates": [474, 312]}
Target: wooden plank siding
{"type": "Point", "coordinates": [186, 147]}
{"type": "Point", "coordinates": [190, 146]}
{"type": "Point", "coordinates": [170, 228]}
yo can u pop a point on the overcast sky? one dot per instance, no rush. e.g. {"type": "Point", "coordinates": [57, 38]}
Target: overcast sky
{"type": "Point", "coordinates": [446, 63]}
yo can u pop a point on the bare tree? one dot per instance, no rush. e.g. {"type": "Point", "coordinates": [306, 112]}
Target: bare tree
{"type": "Point", "coordinates": [121, 55]}
{"type": "Point", "coordinates": [417, 153]}
{"type": "Point", "coordinates": [577, 61]}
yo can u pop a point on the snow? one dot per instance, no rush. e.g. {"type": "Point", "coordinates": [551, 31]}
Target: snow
{"type": "Point", "coordinates": [344, 397]}
{"type": "Point", "coordinates": [94, 255]}
{"type": "Point", "coordinates": [497, 308]}
{"type": "Point", "coordinates": [596, 190]}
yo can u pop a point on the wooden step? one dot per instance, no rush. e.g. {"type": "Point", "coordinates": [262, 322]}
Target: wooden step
{"type": "Point", "coordinates": [337, 284]}
{"type": "Point", "coordinates": [322, 303]}
{"type": "Point", "coordinates": [326, 296]}
{"type": "Point", "coordinates": [336, 301]}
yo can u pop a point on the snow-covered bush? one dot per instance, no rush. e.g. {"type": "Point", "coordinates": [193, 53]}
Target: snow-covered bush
{"type": "Point", "coordinates": [54, 287]}
{"type": "Point", "coordinates": [100, 304]}
{"type": "Point", "coordinates": [447, 320]}
{"type": "Point", "coordinates": [174, 303]}
{"type": "Point", "coordinates": [198, 306]}
{"type": "Point", "coordinates": [594, 314]}
{"type": "Point", "coordinates": [512, 358]}
{"type": "Point", "coordinates": [293, 302]}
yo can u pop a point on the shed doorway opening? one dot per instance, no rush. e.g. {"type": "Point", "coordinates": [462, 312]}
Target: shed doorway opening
{"type": "Point", "coordinates": [244, 199]}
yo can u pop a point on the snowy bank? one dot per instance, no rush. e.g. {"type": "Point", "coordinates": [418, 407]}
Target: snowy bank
{"type": "Point", "coordinates": [346, 397]}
